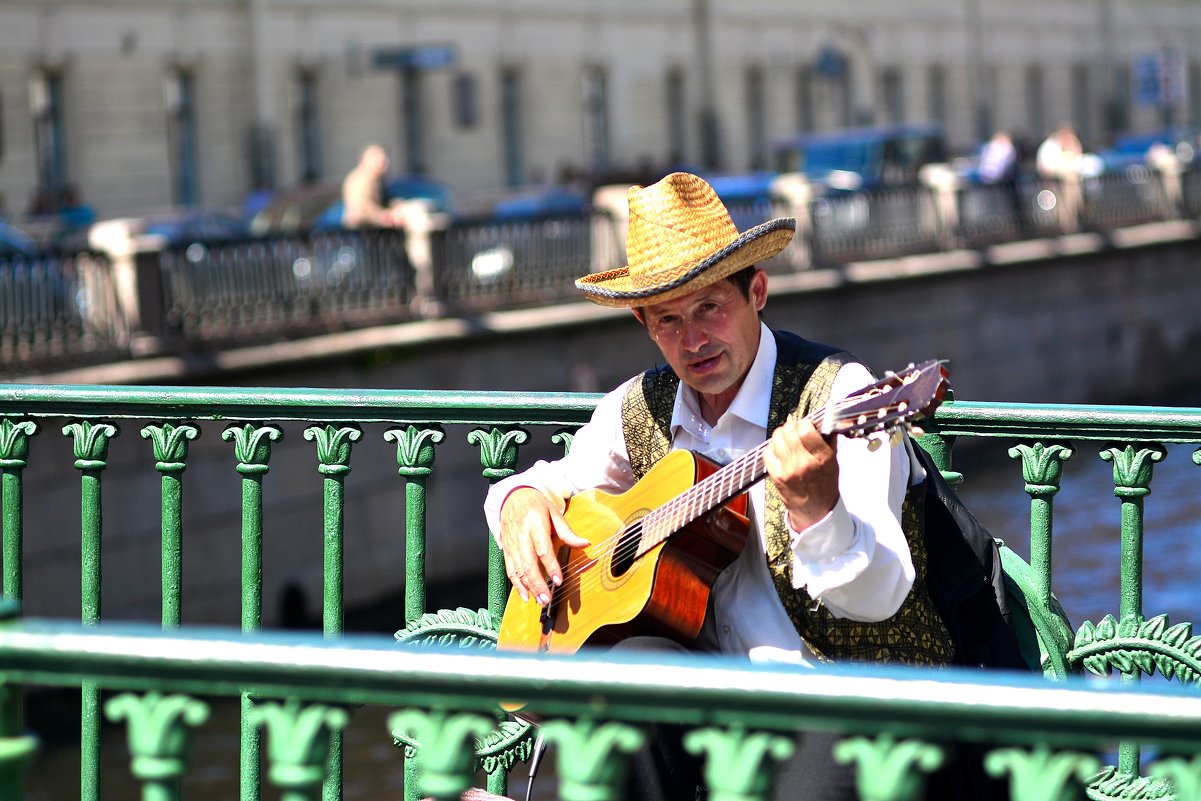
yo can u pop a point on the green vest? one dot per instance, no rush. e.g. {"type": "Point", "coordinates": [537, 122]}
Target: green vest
{"type": "Point", "coordinates": [803, 376]}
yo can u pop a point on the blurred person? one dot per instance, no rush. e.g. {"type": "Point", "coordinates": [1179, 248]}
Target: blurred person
{"type": "Point", "coordinates": [1060, 158]}
{"type": "Point", "coordinates": [1060, 153]}
{"type": "Point", "coordinates": [836, 565]}
{"type": "Point", "coordinates": [999, 167]}
{"type": "Point", "coordinates": [363, 193]}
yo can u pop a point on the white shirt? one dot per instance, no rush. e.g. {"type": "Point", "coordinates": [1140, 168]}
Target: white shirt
{"type": "Point", "coordinates": [855, 560]}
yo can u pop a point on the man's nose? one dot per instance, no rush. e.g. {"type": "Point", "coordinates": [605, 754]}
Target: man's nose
{"type": "Point", "coordinates": [692, 335]}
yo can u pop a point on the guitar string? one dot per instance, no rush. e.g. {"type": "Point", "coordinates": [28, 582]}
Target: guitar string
{"type": "Point", "coordinates": [628, 541]}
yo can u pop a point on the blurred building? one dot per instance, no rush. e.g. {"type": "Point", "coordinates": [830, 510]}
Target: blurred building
{"type": "Point", "coordinates": [141, 104]}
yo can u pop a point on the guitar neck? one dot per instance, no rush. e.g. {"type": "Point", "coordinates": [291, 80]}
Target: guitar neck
{"type": "Point", "coordinates": [703, 497]}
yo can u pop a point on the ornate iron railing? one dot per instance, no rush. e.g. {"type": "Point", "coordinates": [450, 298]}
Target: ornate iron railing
{"type": "Point", "coordinates": [298, 687]}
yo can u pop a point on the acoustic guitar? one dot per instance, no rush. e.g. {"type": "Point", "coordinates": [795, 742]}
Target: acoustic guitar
{"type": "Point", "coordinates": [657, 548]}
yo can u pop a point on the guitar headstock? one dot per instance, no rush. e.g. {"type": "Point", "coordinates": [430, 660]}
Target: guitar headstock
{"type": "Point", "coordinates": [894, 402]}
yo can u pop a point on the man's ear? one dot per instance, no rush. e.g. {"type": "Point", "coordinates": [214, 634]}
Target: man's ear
{"type": "Point", "coordinates": [639, 316]}
{"type": "Point", "coordinates": [758, 290]}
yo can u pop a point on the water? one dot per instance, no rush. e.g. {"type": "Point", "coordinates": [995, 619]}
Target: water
{"type": "Point", "coordinates": [1086, 559]}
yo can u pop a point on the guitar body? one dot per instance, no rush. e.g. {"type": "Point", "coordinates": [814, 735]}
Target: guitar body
{"type": "Point", "coordinates": [607, 595]}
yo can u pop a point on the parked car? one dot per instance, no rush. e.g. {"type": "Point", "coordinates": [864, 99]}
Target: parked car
{"type": "Point", "coordinates": [15, 243]}
{"type": "Point", "coordinates": [1132, 149]}
{"type": "Point", "coordinates": [862, 158]}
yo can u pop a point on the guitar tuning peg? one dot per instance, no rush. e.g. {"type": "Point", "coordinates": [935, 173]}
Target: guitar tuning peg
{"type": "Point", "coordinates": [894, 437]}
{"type": "Point", "coordinates": [917, 431]}
{"type": "Point", "coordinates": [873, 444]}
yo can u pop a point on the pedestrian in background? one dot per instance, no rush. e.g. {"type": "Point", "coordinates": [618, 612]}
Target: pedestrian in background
{"type": "Point", "coordinates": [363, 193]}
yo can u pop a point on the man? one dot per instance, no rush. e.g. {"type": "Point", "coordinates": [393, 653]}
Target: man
{"type": "Point", "coordinates": [363, 192]}
{"type": "Point", "coordinates": [834, 566]}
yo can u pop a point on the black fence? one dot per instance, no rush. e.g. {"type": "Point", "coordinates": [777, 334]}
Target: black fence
{"type": "Point", "coordinates": [82, 308]}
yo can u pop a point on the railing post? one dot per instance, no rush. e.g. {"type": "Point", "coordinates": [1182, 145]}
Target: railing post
{"type": "Point", "coordinates": [1042, 467]}
{"type": "Point", "coordinates": [137, 282]}
{"type": "Point", "coordinates": [421, 225]}
{"type": "Point", "coordinates": [796, 194]}
{"type": "Point", "coordinates": [171, 455]}
{"type": "Point", "coordinates": [15, 746]}
{"type": "Point", "coordinates": [252, 449]}
{"type": "Point", "coordinates": [333, 456]}
{"type": "Point", "coordinates": [498, 454]}
{"type": "Point", "coordinates": [1132, 472]}
{"type": "Point", "coordinates": [415, 463]}
{"type": "Point", "coordinates": [14, 454]}
{"type": "Point", "coordinates": [91, 454]}
{"type": "Point", "coordinates": [944, 187]}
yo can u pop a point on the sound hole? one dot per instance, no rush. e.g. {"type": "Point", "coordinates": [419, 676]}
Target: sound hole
{"type": "Point", "coordinates": [627, 550]}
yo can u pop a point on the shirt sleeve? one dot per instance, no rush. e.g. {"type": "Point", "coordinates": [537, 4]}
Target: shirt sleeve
{"type": "Point", "coordinates": [856, 560]}
{"type": "Point", "coordinates": [597, 459]}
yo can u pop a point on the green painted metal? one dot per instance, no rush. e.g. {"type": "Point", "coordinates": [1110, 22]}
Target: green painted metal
{"type": "Point", "coordinates": [1040, 436]}
{"type": "Point", "coordinates": [415, 463]}
{"type": "Point", "coordinates": [333, 457]}
{"type": "Point", "coordinates": [888, 769]}
{"type": "Point", "coordinates": [299, 743]}
{"type": "Point", "coordinates": [158, 738]}
{"type": "Point", "coordinates": [738, 764]}
{"type": "Point", "coordinates": [90, 444]}
{"type": "Point", "coordinates": [252, 449]}
{"type": "Point", "coordinates": [171, 459]}
{"type": "Point", "coordinates": [591, 763]}
{"type": "Point", "coordinates": [14, 455]}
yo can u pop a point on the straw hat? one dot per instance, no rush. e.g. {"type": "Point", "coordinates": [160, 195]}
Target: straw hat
{"type": "Point", "coordinates": [680, 239]}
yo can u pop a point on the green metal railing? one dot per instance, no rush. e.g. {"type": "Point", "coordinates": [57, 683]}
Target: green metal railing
{"type": "Point", "coordinates": [297, 687]}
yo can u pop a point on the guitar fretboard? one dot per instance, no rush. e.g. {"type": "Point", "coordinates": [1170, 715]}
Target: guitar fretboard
{"type": "Point", "coordinates": [702, 497]}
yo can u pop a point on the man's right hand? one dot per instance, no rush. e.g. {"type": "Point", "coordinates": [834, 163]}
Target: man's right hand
{"type": "Point", "coordinates": [531, 529]}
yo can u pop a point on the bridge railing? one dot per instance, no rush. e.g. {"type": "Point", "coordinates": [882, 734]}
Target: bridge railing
{"type": "Point", "coordinates": [151, 300]}
{"type": "Point", "coordinates": [343, 428]}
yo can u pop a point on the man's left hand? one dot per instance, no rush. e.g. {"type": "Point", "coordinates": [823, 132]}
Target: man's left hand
{"type": "Point", "coordinates": [803, 464]}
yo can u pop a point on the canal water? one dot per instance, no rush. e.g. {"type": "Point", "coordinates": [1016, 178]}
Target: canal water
{"type": "Point", "coordinates": [1086, 559]}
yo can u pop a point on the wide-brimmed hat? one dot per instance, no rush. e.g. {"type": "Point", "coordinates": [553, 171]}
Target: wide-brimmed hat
{"type": "Point", "coordinates": [680, 239]}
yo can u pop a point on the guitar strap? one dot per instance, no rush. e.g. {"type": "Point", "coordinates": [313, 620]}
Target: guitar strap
{"type": "Point", "coordinates": [804, 374]}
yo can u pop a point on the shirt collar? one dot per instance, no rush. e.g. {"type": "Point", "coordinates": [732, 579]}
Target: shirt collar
{"type": "Point", "coordinates": [752, 403]}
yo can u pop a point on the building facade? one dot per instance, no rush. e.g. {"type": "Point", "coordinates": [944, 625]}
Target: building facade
{"type": "Point", "coordinates": [145, 104]}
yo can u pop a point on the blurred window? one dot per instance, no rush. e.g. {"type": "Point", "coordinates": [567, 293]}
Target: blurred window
{"type": "Point", "coordinates": [1082, 102]}
{"type": "Point", "coordinates": [1119, 115]}
{"type": "Point", "coordinates": [804, 99]}
{"type": "Point", "coordinates": [677, 116]}
{"type": "Point", "coordinates": [936, 78]}
{"type": "Point", "coordinates": [466, 112]}
{"type": "Point", "coordinates": [1035, 101]}
{"type": "Point", "coordinates": [180, 96]}
{"type": "Point", "coordinates": [756, 118]}
{"type": "Point", "coordinates": [510, 126]}
{"type": "Point", "coordinates": [893, 91]}
{"type": "Point", "coordinates": [596, 117]}
{"type": "Point", "coordinates": [308, 126]}
{"type": "Point", "coordinates": [1194, 95]}
{"type": "Point", "coordinates": [46, 104]}
{"type": "Point", "coordinates": [414, 133]}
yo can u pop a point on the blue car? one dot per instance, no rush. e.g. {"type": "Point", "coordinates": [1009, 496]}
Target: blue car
{"type": "Point", "coordinates": [862, 158]}
{"type": "Point", "coordinates": [15, 243]}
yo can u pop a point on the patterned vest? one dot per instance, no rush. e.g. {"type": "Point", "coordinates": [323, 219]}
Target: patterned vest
{"type": "Point", "coordinates": [804, 374]}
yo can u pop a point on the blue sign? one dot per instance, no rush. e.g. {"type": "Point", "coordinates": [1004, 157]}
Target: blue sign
{"type": "Point", "coordinates": [415, 57]}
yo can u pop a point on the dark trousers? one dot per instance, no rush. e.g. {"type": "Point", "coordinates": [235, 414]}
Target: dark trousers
{"type": "Point", "coordinates": [664, 771]}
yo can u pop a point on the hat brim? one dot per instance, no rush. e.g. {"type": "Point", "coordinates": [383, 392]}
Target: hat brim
{"type": "Point", "coordinates": [614, 288]}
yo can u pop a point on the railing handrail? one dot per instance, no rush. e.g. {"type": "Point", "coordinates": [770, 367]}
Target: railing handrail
{"type": "Point", "coordinates": [949, 703]}
{"type": "Point", "coordinates": [495, 407]}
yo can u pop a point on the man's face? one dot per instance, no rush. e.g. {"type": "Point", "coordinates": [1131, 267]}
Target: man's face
{"type": "Point", "coordinates": [710, 337]}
